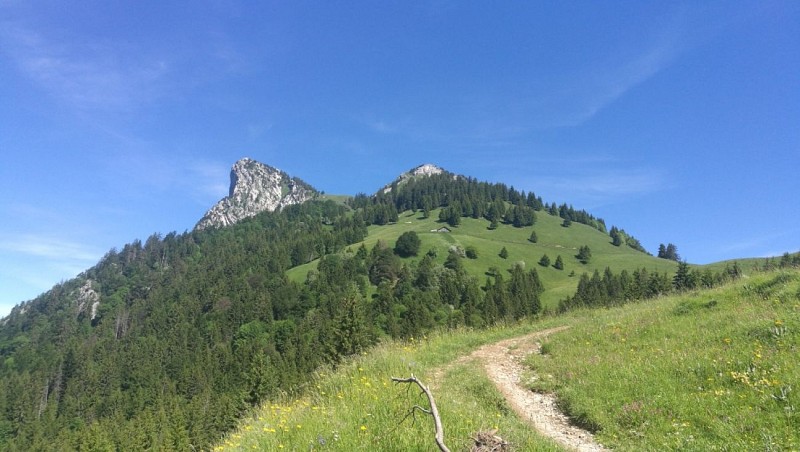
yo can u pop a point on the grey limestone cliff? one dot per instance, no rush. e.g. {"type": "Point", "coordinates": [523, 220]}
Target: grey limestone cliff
{"type": "Point", "coordinates": [255, 188]}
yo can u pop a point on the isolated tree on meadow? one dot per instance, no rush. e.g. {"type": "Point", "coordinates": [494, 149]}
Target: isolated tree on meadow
{"type": "Point", "coordinates": [544, 261]}
{"type": "Point", "coordinates": [584, 254]}
{"type": "Point", "coordinates": [670, 251]}
{"type": "Point", "coordinates": [407, 244]}
{"type": "Point", "coordinates": [559, 264]}
{"type": "Point", "coordinates": [533, 238]}
{"type": "Point", "coordinates": [616, 236]}
{"type": "Point", "coordinates": [683, 279]}
{"type": "Point", "coordinates": [504, 253]}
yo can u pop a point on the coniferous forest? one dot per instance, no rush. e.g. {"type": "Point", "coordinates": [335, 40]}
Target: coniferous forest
{"type": "Point", "coordinates": [165, 343]}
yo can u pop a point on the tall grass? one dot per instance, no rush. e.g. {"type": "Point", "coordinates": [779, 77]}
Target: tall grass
{"type": "Point", "coordinates": [712, 370]}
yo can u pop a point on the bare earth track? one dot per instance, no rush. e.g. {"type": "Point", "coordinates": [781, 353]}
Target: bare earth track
{"type": "Point", "coordinates": [501, 360]}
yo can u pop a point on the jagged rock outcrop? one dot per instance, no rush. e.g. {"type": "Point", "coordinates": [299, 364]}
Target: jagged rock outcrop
{"type": "Point", "coordinates": [427, 169]}
{"type": "Point", "coordinates": [86, 296]}
{"type": "Point", "coordinates": [255, 188]}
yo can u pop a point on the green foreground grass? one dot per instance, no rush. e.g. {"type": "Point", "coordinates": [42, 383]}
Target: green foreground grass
{"type": "Point", "coordinates": [710, 370]}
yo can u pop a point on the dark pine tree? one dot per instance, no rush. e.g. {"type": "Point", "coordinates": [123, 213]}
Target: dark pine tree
{"type": "Point", "coordinates": [544, 261]}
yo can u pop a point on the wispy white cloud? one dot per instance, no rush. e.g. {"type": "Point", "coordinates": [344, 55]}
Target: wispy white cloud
{"type": "Point", "coordinates": [603, 186]}
{"type": "Point", "coordinates": [760, 244]}
{"type": "Point", "coordinates": [606, 185]}
{"type": "Point", "coordinates": [58, 249]}
{"type": "Point", "coordinates": [618, 82]}
{"type": "Point", "coordinates": [598, 85]}
{"type": "Point", "coordinates": [257, 130]}
{"type": "Point", "coordinates": [507, 115]}
{"type": "Point", "coordinates": [204, 180]}
{"type": "Point", "coordinates": [85, 74]}
{"type": "Point", "coordinates": [33, 263]}
{"type": "Point", "coordinates": [590, 183]}
{"type": "Point", "coordinates": [382, 126]}
{"type": "Point", "coordinates": [91, 71]}
{"type": "Point", "coordinates": [208, 178]}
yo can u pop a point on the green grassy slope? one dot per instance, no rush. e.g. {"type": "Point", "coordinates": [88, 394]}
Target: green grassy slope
{"type": "Point", "coordinates": [339, 199]}
{"type": "Point", "coordinates": [553, 240]}
{"type": "Point", "coordinates": [709, 370]}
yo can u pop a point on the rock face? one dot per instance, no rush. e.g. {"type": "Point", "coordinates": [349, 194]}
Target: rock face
{"type": "Point", "coordinates": [255, 188]}
{"type": "Point", "coordinates": [428, 169]}
{"type": "Point", "coordinates": [87, 296]}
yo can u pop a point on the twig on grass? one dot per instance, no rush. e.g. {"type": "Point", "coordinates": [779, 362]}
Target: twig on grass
{"type": "Point", "coordinates": [433, 411]}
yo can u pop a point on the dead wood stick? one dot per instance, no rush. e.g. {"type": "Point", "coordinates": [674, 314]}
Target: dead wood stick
{"type": "Point", "coordinates": [437, 421]}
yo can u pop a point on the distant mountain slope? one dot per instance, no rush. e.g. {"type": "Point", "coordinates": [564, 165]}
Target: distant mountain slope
{"type": "Point", "coordinates": [255, 188]}
{"type": "Point", "coordinates": [553, 240]}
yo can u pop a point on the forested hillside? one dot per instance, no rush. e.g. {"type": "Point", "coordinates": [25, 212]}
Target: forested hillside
{"type": "Point", "coordinates": [163, 344]}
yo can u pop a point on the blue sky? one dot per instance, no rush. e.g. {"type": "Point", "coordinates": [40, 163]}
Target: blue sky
{"type": "Point", "coordinates": [677, 121]}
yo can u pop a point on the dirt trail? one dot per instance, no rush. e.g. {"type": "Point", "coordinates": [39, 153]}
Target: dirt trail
{"type": "Point", "coordinates": [502, 363]}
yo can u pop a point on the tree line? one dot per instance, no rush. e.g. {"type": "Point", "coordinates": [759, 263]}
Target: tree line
{"type": "Point", "coordinates": [460, 197]}
{"type": "Point", "coordinates": [611, 289]}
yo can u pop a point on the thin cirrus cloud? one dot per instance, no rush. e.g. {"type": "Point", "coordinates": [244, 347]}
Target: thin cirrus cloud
{"type": "Point", "coordinates": [583, 97]}
{"type": "Point", "coordinates": [204, 180]}
{"type": "Point", "coordinates": [87, 75]}
{"type": "Point", "coordinates": [602, 186]}
{"type": "Point", "coordinates": [55, 258]}
{"type": "Point", "coordinates": [491, 120]}
{"type": "Point", "coordinates": [51, 247]}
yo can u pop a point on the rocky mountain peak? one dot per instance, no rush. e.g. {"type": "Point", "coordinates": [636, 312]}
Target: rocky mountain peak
{"type": "Point", "coordinates": [424, 170]}
{"type": "Point", "coordinates": [255, 188]}
{"type": "Point", "coordinates": [427, 169]}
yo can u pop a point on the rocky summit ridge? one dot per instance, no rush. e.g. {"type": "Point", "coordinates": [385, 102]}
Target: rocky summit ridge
{"type": "Point", "coordinates": [255, 188]}
{"type": "Point", "coordinates": [424, 170]}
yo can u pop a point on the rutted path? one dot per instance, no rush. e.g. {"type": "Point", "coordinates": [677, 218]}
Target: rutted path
{"type": "Point", "coordinates": [502, 363]}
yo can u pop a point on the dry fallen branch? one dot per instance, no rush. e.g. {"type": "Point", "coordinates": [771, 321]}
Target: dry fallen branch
{"type": "Point", "coordinates": [433, 411]}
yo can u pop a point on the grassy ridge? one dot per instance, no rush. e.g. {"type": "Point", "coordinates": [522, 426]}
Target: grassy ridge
{"type": "Point", "coordinates": [553, 240]}
{"type": "Point", "coordinates": [709, 370]}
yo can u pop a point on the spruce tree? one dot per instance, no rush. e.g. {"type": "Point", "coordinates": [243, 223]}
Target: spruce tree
{"type": "Point", "coordinates": [504, 253]}
{"type": "Point", "coordinates": [544, 261]}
